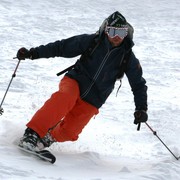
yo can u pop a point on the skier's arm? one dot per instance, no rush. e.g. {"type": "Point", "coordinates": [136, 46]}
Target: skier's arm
{"type": "Point", "coordinates": [70, 47]}
{"type": "Point", "coordinates": [137, 82]}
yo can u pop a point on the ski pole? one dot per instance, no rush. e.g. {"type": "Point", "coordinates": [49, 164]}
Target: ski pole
{"type": "Point", "coordinates": [13, 75]}
{"type": "Point", "coordinates": [155, 133]}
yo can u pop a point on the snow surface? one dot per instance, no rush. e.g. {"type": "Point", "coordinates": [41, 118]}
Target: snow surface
{"type": "Point", "coordinates": [109, 148]}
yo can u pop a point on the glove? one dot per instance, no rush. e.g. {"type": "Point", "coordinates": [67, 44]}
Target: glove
{"type": "Point", "coordinates": [24, 53]}
{"type": "Point", "coordinates": [140, 116]}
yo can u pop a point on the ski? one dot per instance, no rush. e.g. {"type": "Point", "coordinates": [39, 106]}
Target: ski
{"type": "Point", "coordinates": [43, 154]}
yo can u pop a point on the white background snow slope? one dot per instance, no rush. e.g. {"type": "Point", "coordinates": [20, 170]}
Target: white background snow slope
{"type": "Point", "coordinates": [109, 148]}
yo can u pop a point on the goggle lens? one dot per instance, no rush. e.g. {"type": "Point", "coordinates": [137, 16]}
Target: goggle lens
{"type": "Point", "coordinates": [121, 32]}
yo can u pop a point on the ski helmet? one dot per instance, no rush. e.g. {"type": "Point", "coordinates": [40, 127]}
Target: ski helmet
{"type": "Point", "coordinates": [116, 20]}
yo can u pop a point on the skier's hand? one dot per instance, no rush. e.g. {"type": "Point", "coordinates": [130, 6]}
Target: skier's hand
{"type": "Point", "coordinates": [140, 116]}
{"type": "Point", "coordinates": [23, 53]}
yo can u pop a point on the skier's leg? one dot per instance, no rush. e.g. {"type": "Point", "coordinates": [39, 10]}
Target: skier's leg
{"type": "Point", "coordinates": [73, 123]}
{"type": "Point", "coordinates": [54, 109]}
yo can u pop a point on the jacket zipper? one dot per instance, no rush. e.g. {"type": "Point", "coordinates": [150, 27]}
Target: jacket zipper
{"type": "Point", "coordinates": [97, 73]}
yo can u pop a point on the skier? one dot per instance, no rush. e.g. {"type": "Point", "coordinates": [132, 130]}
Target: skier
{"type": "Point", "coordinates": [105, 57]}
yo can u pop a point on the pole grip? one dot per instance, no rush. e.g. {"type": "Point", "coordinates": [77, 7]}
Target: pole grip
{"type": "Point", "coordinates": [139, 126]}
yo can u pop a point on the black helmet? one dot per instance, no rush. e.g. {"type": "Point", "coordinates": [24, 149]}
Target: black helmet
{"type": "Point", "coordinates": [116, 20]}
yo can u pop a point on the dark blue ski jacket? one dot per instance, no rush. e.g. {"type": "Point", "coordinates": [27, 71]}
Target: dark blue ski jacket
{"type": "Point", "coordinates": [97, 74]}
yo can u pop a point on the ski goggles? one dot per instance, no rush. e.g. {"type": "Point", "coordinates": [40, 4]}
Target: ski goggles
{"type": "Point", "coordinates": [113, 31]}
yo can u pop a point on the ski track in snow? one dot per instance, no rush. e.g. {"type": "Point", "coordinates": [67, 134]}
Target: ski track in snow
{"type": "Point", "coordinates": [109, 148]}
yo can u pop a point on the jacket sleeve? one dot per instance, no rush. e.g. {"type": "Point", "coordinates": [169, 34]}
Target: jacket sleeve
{"type": "Point", "coordinates": [68, 48]}
{"type": "Point", "coordinates": [137, 82]}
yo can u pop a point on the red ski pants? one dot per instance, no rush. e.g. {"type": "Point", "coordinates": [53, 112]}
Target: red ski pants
{"type": "Point", "coordinates": [65, 114]}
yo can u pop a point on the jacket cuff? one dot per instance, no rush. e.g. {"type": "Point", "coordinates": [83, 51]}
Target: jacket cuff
{"type": "Point", "coordinates": [145, 108]}
{"type": "Point", "coordinates": [33, 54]}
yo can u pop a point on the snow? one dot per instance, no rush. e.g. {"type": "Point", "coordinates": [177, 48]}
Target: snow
{"type": "Point", "coordinates": [110, 147]}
